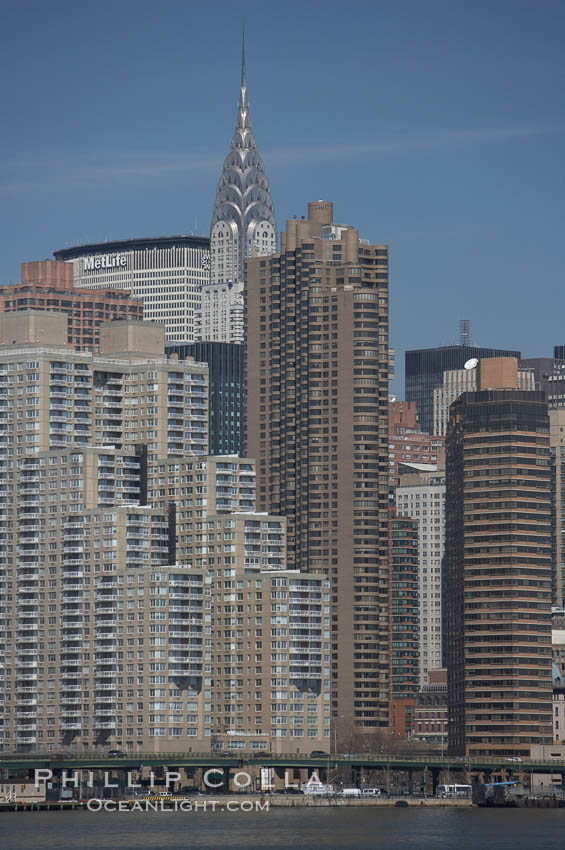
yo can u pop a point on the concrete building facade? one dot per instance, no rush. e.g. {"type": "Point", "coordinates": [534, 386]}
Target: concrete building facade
{"type": "Point", "coordinates": [421, 496]}
{"type": "Point", "coordinates": [123, 543]}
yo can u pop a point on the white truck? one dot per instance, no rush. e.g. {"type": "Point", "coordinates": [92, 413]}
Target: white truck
{"type": "Point", "coordinates": [349, 792]}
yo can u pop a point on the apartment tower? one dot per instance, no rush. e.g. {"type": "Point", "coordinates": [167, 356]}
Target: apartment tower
{"type": "Point", "coordinates": [557, 447]}
{"type": "Point", "coordinates": [498, 567]}
{"type": "Point", "coordinates": [144, 604]}
{"type": "Point", "coordinates": [316, 376]}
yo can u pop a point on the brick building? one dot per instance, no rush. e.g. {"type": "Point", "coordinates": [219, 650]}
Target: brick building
{"type": "Point", "coordinates": [407, 442]}
{"type": "Point", "coordinates": [48, 285]}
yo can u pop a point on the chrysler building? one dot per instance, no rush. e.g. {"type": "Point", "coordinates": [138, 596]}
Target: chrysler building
{"type": "Point", "coordinates": [243, 225]}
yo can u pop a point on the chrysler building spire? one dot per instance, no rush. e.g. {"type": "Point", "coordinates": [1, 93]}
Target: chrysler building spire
{"type": "Point", "coordinates": [243, 81]}
{"type": "Point", "coordinates": [243, 225]}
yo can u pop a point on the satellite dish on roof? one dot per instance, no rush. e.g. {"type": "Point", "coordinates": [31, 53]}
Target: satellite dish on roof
{"type": "Point", "coordinates": [470, 364]}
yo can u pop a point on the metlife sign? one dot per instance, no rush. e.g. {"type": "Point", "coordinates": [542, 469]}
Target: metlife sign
{"type": "Point", "coordinates": [106, 261]}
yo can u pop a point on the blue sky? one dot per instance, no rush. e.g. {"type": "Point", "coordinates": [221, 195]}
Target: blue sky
{"type": "Point", "coordinates": [437, 127]}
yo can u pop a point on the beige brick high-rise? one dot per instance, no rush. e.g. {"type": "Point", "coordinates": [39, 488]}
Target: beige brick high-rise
{"type": "Point", "coordinates": [317, 396]}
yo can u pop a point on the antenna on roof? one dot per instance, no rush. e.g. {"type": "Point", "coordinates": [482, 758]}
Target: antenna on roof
{"type": "Point", "coordinates": [464, 332]}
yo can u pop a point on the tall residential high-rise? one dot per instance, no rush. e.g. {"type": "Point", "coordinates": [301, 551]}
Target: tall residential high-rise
{"type": "Point", "coordinates": [316, 376]}
{"type": "Point", "coordinates": [243, 225]}
{"type": "Point", "coordinates": [421, 495]}
{"type": "Point", "coordinates": [144, 604]}
{"type": "Point", "coordinates": [557, 447]}
{"type": "Point", "coordinates": [498, 570]}
{"type": "Point", "coordinates": [424, 370]}
{"type": "Point", "coordinates": [225, 369]}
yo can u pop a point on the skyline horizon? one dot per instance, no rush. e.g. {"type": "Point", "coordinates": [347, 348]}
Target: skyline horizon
{"type": "Point", "coordinates": [464, 186]}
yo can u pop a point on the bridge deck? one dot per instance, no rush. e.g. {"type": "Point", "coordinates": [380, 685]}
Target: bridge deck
{"type": "Point", "coordinates": [94, 761]}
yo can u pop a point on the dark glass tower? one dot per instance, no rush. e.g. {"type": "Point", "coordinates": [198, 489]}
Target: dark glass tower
{"type": "Point", "coordinates": [225, 362]}
{"type": "Point", "coordinates": [424, 370]}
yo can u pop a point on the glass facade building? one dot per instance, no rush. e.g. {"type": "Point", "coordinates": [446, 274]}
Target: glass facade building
{"type": "Point", "coordinates": [424, 370]}
{"type": "Point", "coordinates": [225, 364]}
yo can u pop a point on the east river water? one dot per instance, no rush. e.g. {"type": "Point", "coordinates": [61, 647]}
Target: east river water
{"type": "Point", "coordinates": [283, 829]}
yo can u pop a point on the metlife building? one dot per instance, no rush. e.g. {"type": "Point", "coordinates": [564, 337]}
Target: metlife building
{"type": "Point", "coordinates": [167, 273]}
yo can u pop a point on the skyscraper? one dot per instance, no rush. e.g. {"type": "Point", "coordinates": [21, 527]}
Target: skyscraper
{"type": "Point", "coordinates": [498, 570]}
{"type": "Point", "coordinates": [243, 225]}
{"type": "Point", "coordinates": [424, 370]}
{"type": "Point", "coordinates": [167, 273]}
{"type": "Point", "coordinates": [316, 374]}
{"type": "Point", "coordinates": [557, 447]}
